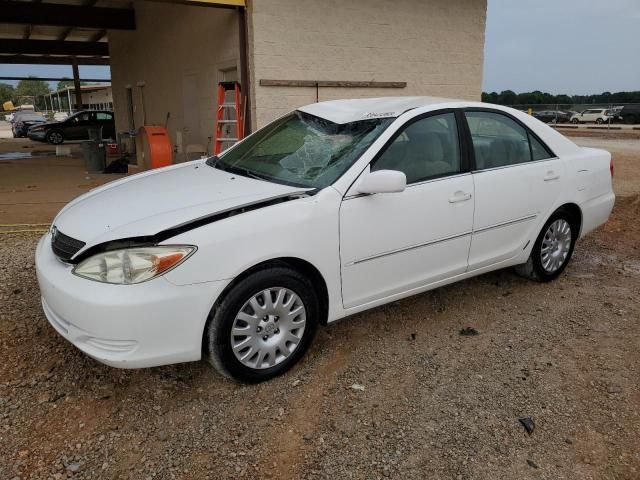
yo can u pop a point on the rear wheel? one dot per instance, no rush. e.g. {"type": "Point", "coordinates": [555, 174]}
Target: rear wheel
{"type": "Point", "coordinates": [552, 250]}
{"type": "Point", "coordinates": [55, 137]}
{"type": "Point", "coordinates": [263, 325]}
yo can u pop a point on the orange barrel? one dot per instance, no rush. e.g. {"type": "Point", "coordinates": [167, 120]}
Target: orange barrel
{"type": "Point", "coordinates": [153, 147]}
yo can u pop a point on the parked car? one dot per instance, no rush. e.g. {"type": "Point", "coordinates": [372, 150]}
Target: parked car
{"type": "Point", "coordinates": [593, 115]}
{"type": "Point", "coordinates": [331, 210]}
{"type": "Point", "coordinates": [76, 127]}
{"type": "Point", "coordinates": [552, 116]}
{"type": "Point", "coordinates": [22, 121]}
{"type": "Point", "coordinates": [629, 114]}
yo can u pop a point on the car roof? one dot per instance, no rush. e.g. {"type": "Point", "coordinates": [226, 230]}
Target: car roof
{"type": "Point", "coordinates": [352, 110]}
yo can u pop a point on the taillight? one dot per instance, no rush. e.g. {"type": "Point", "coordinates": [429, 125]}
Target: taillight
{"type": "Point", "coordinates": [611, 167]}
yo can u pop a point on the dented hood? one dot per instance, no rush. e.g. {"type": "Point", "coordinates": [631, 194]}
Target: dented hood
{"type": "Point", "coordinates": [154, 201]}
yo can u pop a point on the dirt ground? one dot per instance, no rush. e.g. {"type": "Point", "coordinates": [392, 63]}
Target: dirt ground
{"type": "Point", "coordinates": [433, 404]}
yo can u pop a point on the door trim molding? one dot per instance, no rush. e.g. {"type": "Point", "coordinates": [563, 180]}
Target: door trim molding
{"type": "Point", "coordinates": [505, 224]}
{"type": "Point", "coordinates": [406, 249]}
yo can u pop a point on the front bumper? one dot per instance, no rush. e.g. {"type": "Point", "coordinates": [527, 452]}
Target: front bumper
{"type": "Point", "coordinates": [126, 326]}
{"type": "Point", "coordinates": [37, 135]}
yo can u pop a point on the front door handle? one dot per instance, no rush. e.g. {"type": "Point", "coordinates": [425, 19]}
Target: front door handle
{"type": "Point", "coordinates": [459, 196]}
{"type": "Point", "coordinates": [551, 175]}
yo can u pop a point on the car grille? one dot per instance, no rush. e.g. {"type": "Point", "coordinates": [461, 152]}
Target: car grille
{"type": "Point", "coordinates": [64, 247]}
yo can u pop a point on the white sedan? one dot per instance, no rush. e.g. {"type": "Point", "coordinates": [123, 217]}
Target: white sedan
{"type": "Point", "coordinates": [333, 209]}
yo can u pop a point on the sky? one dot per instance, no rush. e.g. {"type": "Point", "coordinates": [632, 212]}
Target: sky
{"type": "Point", "coordinates": [556, 46]}
{"type": "Point", "coordinates": [52, 71]}
{"type": "Point", "coordinates": [562, 46]}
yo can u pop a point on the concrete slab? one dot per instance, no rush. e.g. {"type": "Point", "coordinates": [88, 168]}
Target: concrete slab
{"type": "Point", "coordinates": [35, 184]}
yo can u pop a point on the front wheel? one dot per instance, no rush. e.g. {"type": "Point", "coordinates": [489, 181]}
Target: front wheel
{"type": "Point", "coordinates": [552, 250]}
{"type": "Point", "coordinates": [599, 121]}
{"type": "Point", "coordinates": [575, 121]}
{"type": "Point", "coordinates": [263, 325]}
{"type": "Point", "coordinates": [55, 137]}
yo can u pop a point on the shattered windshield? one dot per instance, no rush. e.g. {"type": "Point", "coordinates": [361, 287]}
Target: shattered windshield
{"type": "Point", "coordinates": [302, 150]}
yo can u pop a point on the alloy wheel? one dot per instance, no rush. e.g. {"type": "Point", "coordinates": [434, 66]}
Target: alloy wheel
{"type": "Point", "coordinates": [556, 245]}
{"type": "Point", "coordinates": [55, 138]}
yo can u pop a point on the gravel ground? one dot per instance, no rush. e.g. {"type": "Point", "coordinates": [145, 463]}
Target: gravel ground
{"type": "Point", "coordinates": [396, 392]}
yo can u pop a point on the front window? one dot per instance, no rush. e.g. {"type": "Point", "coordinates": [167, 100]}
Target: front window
{"type": "Point", "coordinates": [426, 149]}
{"type": "Point", "coordinates": [301, 150]}
{"type": "Point", "coordinates": [80, 117]}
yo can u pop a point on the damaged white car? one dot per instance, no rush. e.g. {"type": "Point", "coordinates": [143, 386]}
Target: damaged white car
{"type": "Point", "coordinates": [333, 209]}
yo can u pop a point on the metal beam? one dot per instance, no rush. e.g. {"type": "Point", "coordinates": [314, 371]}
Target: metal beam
{"type": "Point", "coordinates": [76, 85]}
{"type": "Point", "coordinates": [99, 35]}
{"type": "Point", "coordinates": [28, 29]}
{"type": "Point", "coordinates": [45, 60]}
{"type": "Point", "coordinates": [65, 33]}
{"type": "Point", "coordinates": [53, 47]}
{"type": "Point", "coordinates": [56, 79]}
{"type": "Point", "coordinates": [244, 70]}
{"type": "Point", "coordinates": [61, 15]}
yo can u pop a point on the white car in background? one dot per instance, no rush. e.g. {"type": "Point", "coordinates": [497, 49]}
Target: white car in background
{"type": "Point", "coordinates": [594, 115]}
{"type": "Point", "coordinates": [333, 209]}
{"type": "Point", "coordinates": [60, 116]}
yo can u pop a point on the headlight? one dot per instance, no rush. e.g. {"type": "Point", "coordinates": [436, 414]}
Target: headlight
{"type": "Point", "coordinates": [132, 265]}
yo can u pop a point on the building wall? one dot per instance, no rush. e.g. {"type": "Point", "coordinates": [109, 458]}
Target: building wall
{"type": "Point", "coordinates": [103, 96]}
{"type": "Point", "coordinates": [436, 46]}
{"type": "Point", "coordinates": [177, 52]}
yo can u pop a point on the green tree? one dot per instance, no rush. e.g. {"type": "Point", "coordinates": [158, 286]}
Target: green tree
{"type": "Point", "coordinates": [29, 91]}
{"type": "Point", "coordinates": [507, 97]}
{"type": "Point", "coordinates": [7, 93]}
{"type": "Point", "coordinates": [66, 82]}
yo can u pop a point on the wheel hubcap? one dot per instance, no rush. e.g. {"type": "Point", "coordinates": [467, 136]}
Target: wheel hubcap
{"type": "Point", "coordinates": [556, 245]}
{"type": "Point", "coordinates": [268, 328]}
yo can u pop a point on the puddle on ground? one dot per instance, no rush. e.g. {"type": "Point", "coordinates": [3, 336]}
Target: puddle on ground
{"type": "Point", "coordinates": [24, 155]}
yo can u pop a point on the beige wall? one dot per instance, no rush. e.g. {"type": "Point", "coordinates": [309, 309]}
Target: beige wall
{"type": "Point", "coordinates": [436, 46]}
{"type": "Point", "coordinates": [95, 97]}
{"type": "Point", "coordinates": [177, 51]}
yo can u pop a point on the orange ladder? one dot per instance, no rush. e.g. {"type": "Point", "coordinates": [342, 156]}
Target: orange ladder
{"type": "Point", "coordinates": [229, 115]}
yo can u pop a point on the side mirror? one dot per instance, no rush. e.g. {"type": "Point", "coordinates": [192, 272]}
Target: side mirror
{"type": "Point", "coordinates": [383, 181]}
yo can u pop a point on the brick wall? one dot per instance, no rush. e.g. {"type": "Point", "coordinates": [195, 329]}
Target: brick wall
{"type": "Point", "coordinates": [436, 46]}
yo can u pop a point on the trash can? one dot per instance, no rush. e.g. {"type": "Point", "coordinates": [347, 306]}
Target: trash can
{"type": "Point", "coordinates": [94, 153]}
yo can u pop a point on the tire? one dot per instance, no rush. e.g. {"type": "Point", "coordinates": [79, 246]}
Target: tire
{"type": "Point", "coordinates": [268, 337]}
{"type": "Point", "coordinates": [599, 121]}
{"type": "Point", "coordinates": [575, 121]}
{"type": "Point", "coordinates": [55, 137]}
{"type": "Point", "coordinates": [543, 268]}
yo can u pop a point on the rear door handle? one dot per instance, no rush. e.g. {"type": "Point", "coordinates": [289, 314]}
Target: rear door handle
{"type": "Point", "coordinates": [459, 196]}
{"type": "Point", "coordinates": [551, 175]}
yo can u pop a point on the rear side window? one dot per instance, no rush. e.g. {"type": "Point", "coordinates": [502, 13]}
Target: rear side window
{"type": "Point", "coordinates": [499, 141]}
{"type": "Point", "coordinates": [104, 116]}
{"type": "Point", "coordinates": [538, 152]}
{"type": "Point", "coordinates": [425, 149]}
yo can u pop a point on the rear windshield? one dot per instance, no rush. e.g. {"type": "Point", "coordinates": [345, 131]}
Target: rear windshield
{"type": "Point", "coordinates": [301, 150]}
